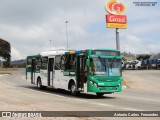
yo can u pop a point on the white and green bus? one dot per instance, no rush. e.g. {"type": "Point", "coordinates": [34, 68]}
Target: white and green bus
{"type": "Point", "coordinates": [92, 70]}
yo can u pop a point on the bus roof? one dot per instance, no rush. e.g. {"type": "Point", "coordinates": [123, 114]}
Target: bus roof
{"type": "Point", "coordinates": [62, 52]}
{"type": "Point", "coordinates": [109, 49]}
{"type": "Point", "coordinates": [33, 56]}
{"type": "Point", "coordinates": [51, 53]}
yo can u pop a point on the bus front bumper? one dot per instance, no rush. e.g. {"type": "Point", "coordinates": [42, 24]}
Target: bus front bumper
{"type": "Point", "coordinates": [104, 89]}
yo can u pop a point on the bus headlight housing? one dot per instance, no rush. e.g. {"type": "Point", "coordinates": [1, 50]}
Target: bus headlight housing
{"type": "Point", "coordinates": [93, 83]}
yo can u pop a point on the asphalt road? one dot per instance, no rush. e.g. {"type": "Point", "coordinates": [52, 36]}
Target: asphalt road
{"type": "Point", "coordinates": [18, 94]}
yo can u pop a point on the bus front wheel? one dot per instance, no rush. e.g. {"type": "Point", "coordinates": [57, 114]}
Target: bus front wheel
{"type": "Point", "coordinates": [100, 94]}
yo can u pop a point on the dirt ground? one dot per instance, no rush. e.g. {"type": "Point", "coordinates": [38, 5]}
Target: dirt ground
{"type": "Point", "coordinates": [146, 81]}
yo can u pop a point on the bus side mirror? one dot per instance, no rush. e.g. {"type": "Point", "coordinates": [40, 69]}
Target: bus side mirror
{"type": "Point", "coordinates": [87, 62]}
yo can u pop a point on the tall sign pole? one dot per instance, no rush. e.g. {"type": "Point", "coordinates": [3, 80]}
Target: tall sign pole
{"type": "Point", "coordinates": [117, 39]}
{"type": "Point", "coordinates": [115, 19]}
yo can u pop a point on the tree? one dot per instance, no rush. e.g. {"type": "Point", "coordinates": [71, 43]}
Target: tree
{"type": "Point", "coordinates": [6, 64]}
{"type": "Point", "coordinates": [143, 57]}
{"type": "Point", "coordinates": [5, 50]}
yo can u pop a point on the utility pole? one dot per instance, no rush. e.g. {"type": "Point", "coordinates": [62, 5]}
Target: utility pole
{"type": "Point", "coordinates": [67, 32]}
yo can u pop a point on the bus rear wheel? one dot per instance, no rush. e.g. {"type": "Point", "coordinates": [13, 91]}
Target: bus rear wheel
{"type": "Point", "coordinates": [39, 84]}
{"type": "Point", "coordinates": [73, 89]}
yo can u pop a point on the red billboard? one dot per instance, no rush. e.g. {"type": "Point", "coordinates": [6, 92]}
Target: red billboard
{"type": "Point", "coordinates": [116, 18]}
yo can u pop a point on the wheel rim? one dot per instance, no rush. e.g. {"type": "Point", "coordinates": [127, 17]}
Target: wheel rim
{"type": "Point", "coordinates": [73, 88]}
{"type": "Point", "coordinates": [38, 84]}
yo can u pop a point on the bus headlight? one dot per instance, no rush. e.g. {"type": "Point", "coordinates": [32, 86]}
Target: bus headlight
{"type": "Point", "coordinates": [93, 83]}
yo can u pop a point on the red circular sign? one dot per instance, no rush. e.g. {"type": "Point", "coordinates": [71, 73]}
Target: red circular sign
{"type": "Point", "coordinates": [114, 7]}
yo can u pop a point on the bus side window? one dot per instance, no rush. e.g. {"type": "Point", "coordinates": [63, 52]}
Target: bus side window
{"type": "Point", "coordinates": [70, 62]}
{"type": "Point", "coordinates": [63, 58]}
{"type": "Point", "coordinates": [44, 63]}
{"type": "Point", "coordinates": [38, 65]}
{"type": "Point", "coordinates": [57, 62]}
{"type": "Point", "coordinates": [29, 63]}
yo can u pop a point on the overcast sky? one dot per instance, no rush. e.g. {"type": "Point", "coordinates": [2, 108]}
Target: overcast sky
{"type": "Point", "coordinates": [29, 25]}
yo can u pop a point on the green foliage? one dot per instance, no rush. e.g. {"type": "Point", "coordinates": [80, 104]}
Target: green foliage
{"type": "Point", "coordinates": [5, 50]}
{"type": "Point", "coordinates": [6, 64]}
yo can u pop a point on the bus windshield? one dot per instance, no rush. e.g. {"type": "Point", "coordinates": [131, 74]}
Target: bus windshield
{"type": "Point", "coordinates": [107, 66]}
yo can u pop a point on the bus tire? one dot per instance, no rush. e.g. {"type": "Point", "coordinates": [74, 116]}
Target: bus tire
{"type": "Point", "coordinates": [73, 88]}
{"type": "Point", "coordinates": [100, 94]}
{"type": "Point", "coordinates": [39, 84]}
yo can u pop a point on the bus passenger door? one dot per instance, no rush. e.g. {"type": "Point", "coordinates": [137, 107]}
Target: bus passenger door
{"type": "Point", "coordinates": [44, 71]}
{"type": "Point", "coordinates": [50, 71]}
{"type": "Point", "coordinates": [81, 73]}
{"type": "Point", "coordinates": [56, 72]}
{"type": "Point", "coordinates": [60, 81]}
